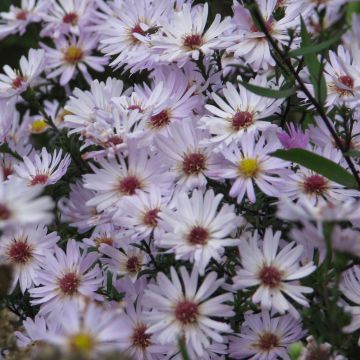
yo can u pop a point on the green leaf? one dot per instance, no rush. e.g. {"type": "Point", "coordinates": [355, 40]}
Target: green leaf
{"type": "Point", "coordinates": [319, 164]}
{"type": "Point", "coordinates": [314, 66]}
{"type": "Point", "coordinates": [267, 92]}
{"type": "Point", "coordinates": [353, 153]}
{"type": "Point", "coordinates": [310, 49]}
{"type": "Point", "coordinates": [183, 350]}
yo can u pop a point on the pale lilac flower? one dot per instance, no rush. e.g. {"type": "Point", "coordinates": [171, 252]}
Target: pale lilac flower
{"type": "Point", "coordinates": [295, 137]}
{"type": "Point", "coordinates": [265, 337]}
{"type": "Point", "coordinates": [20, 205]}
{"type": "Point", "coordinates": [17, 19]}
{"type": "Point", "coordinates": [25, 249]}
{"type": "Point", "coordinates": [273, 272]}
{"type": "Point", "coordinates": [73, 54]}
{"type": "Point", "coordinates": [346, 240]}
{"type": "Point", "coordinates": [15, 82]}
{"type": "Point", "coordinates": [102, 234]}
{"type": "Point", "coordinates": [66, 278]}
{"type": "Point", "coordinates": [180, 309]}
{"type": "Point", "coordinates": [183, 36]}
{"type": "Point", "coordinates": [196, 230]}
{"type": "Point", "coordinates": [44, 169]}
{"type": "Point", "coordinates": [242, 112]}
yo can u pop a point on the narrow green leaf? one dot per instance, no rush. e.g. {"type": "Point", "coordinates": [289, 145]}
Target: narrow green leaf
{"type": "Point", "coordinates": [314, 66]}
{"type": "Point", "coordinates": [319, 164]}
{"type": "Point", "coordinates": [270, 93]}
{"type": "Point", "coordinates": [310, 49]}
{"type": "Point", "coordinates": [183, 350]}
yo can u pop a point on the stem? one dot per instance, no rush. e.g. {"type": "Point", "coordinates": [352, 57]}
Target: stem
{"type": "Point", "coordinates": [258, 17]}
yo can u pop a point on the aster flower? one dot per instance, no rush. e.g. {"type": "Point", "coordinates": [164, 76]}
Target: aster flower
{"type": "Point", "coordinates": [181, 309]}
{"type": "Point", "coordinates": [184, 37]}
{"type": "Point", "coordinates": [242, 112]}
{"type": "Point", "coordinates": [66, 16]}
{"type": "Point", "coordinates": [250, 163]}
{"type": "Point", "coordinates": [25, 249]}
{"type": "Point", "coordinates": [188, 160]}
{"type": "Point", "coordinates": [113, 180]}
{"type": "Point", "coordinates": [17, 19]}
{"type": "Point", "coordinates": [66, 278]}
{"type": "Point", "coordinates": [273, 272]}
{"type": "Point", "coordinates": [102, 234]}
{"type": "Point", "coordinates": [295, 137]}
{"type": "Point", "coordinates": [20, 205]}
{"type": "Point", "coordinates": [46, 169]}
{"type": "Point", "coordinates": [265, 337]}
{"type": "Point", "coordinates": [73, 54]}
{"type": "Point", "coordinates": [90, 331]}
{"type": "Point", "coordinates": [350, 286]}
{"type": "Point", "coordinates": [15, 82]}
{"type": "Point", "coordinates": [196, 230]}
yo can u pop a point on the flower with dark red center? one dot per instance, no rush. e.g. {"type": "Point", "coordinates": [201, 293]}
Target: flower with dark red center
{"type": "Point", "coordinates": [267, 341]}
{"type": "Point", "coordinates": [193, 41]}
{"type": "Point", "coordinates": [69, 284]}
{"type": "Point", "coordinates": [40, 179]}
{"type": "Point", "coordinates": [140, 338]}
{"type": "Point", "coordinates": [71, 18]}
{"type": "Point", "coordinates": [22, 15]}
{"type": "Point", "coordinates": [315, 184]}
{"type": "Point", "coordinates": [151, 218]}
{"type": "Point", "coordinates": [18, 82]}
{"type": "Point", "coordinates": [133, 264]}
{"type": "Point", "coordinates": [160, 120]}
{"type": "Point", "coordinates": [103, 240]}
{"type": "Point", "coordinates": [347, 81]}
{"type": "Point", "coordinates": [198, 236]}
{"type": "Point", "coordinates": [7, 171]}
{"type": "Point", "coordinates": [5, 212]}
{"type": "Point", "coordinates": [242, 120]}
{"type": "Point", "coordinates": [129, 185]}
{"type": "Point", "coordinates": [270, 276]}
{"type": "Point", "coordinates": [136, 30]}
{"type": "Point", "coordinates": [194, 163]}
{"type": "Point", "coordinates": [135, 107]}
{"type": "Point", "coordinates": [20, 252]}
{"type": "Point", "coordinates": [186, 312]}
{"type": "Point", "coordinates": [114, 140]}
{"type": "Point", "coordinates": [268, 25]}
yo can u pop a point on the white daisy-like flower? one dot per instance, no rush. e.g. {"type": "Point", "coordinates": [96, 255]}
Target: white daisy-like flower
{"type": "Point", "coordinates": [180, 309]}
{"type": "Point", "coordinates": [183, 37]}
{"type": "Point", "coordinates": [196, 230]}
{"type": "Point", "coordinates": [242, 112]}
{"type": "Point", "coordinates": [20, 205]}
{"type": "Point", "coordinates": [272, 272]}
{"type": "Point", "coordinates": [265, 337]}
{"type": "Point", "coordinates": [250, 163]}
{"type": "Point", "coordinates": [44, 169]}
{"type": "Point", "coordinates": [66, 278]}
{"type": "Point", "coordinates": [25, 249]}
{"type": "Point", "coordinates": [15, 82]}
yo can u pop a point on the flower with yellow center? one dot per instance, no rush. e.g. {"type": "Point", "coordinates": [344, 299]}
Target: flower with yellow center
{"type": "Point", "coordinates": [249, 168]}
{"type": "Point", "coordinates": [82, 343]}
{"type": "Point", "coordinates": [73, 54]}
{"type": "Point", "coordinates": [38, 126]}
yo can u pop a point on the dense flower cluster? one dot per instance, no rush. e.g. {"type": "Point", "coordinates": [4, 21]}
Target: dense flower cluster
{"type": "Point", "coordinates": [144, 206]}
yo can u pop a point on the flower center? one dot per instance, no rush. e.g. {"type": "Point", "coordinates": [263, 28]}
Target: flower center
{"type": "Point", "coordinates": [18, 82]}
{"type": "Point", "coordinates": [82, 342]}
{"type": "Point", "coordinates": [135, 107]}
{"type": "Point", "coordinates": [73, 55]}
{"type": "Point", "coordinates": [129, 185]}
{"type": "Point", "coordinates": [249, 168]}
{"type": "Point", "coordinates": [193, 163]}
{"type": "Point", "coordinates": [71, 18]}
{"type": "Point", "coordinates": [198, 236]}
{"type": "Point", "coordinates": [347, 81]}
{"type": "Point", "coordinates": [193, 41]}
{"type": "Point", "coordinates": [38, 126]}
{"type": "Point", "coordinates": [20, 252]}
{"type": "Point", "coordinates": [160, 120]}
{"type": "Point", "coordinates": [114, 140]}
{"type": "Point", "coordinates": [7, 171]}
{"type": "Point", "coordinates": [151, 218]}
{"type": "Point", "coordinates": [267, 342]}
{"type": "Point", "coordinates": [270, 276]}
{"type": "Point", "coordinates": [103, 240]}
{"type": "Point", "coordinates": [187, 312]}
{"type": "Point", "coordinates": [5, 212]}
{"type": "Point", "coordinates": [140, 338]}
{"type": "Point", "coordinates": [40, 179]}
{"type": "Point", "coordinates": [22, 15]}
{"type": "Point", "coordinates": [315, 184]}
{"type": "Point", "coordinates": [242, 120]}
{"type": "Point", "coordinates": [69, 284]}
{"type": "Point", "coordinates": [268, 25]}
{"type": "Point", "coordinates": [133, 265]}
